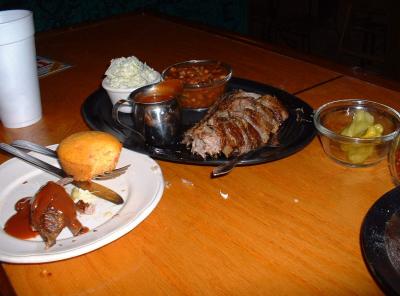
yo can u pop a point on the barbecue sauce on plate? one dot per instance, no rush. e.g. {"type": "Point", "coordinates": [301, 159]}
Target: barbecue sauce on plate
{"type": "Point", "coordinates": [30, 212]}
{"type": "Point", "coordinates": [19, 225]}
{"type": "Point", "coordinates": [54, 196]}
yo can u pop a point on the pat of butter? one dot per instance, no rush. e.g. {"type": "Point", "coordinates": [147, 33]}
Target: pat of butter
{"type": "Point", "coordinates": [84, 195]}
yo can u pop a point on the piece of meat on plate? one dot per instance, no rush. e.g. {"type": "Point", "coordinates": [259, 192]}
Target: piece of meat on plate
{"type": "Point", "coordinates": [237, 123]}
{"type": "Point", "coordinates": [52, 209]}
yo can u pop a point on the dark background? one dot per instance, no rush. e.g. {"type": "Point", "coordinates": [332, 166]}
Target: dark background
{"type": "Point", "coordinates": [362, 34]}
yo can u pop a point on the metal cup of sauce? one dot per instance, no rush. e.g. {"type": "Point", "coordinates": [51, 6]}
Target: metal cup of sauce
{"type": "Point", "coordinates": [156, 112]}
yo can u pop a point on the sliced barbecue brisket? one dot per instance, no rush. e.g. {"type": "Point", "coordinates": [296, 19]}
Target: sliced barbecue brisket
{"type": "Point", "coordinates": [238, 122]}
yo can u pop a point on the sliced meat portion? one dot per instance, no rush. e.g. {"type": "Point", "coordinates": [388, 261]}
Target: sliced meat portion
{"type": "Point", "coordinates": [244, 120]}
{"type": "Point", "coordinates": [247, 139]}
{"type": "Point", "coordinates": [234, 137]}
{"type": "Point", "coordinates": [237, 123]}
{"type": "Point", "coordinates": [206, 140]}
{"type": "Point", "coordinates": [51, 210]}
{"type": "Point", "coordinates": [271, 102]}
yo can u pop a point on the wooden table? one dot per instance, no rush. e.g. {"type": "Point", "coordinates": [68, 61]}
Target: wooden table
{"type": "Point", "coordinates": [289, 227]}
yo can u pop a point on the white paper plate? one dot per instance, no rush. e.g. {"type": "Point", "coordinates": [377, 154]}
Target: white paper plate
{"type": "Point", "coordinates": [141, 187]}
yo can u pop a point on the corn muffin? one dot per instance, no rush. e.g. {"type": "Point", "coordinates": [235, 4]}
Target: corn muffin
{"type": "Point", "coordinates": [86, 154]}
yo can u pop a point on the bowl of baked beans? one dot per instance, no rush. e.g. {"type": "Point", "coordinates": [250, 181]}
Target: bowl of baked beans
{"type": "Point", "coordinates": [203, 81]}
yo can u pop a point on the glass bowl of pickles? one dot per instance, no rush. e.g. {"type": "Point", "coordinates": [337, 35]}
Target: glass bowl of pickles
{"type": "Point", "coordinates": [356, 132]}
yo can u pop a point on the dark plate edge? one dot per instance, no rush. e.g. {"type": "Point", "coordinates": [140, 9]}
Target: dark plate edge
{"type": "Point", "coordinates": [374, 261]}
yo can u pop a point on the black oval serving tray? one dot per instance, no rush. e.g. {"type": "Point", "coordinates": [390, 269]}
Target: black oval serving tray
{"type": "Point", "coordinates": [294, 135]}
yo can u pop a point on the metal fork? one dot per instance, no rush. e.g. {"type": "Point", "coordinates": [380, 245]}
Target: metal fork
{"type": "Point", "coordinates": [27, 145]}
{"type": "Point", "coordinates": [230, 164]}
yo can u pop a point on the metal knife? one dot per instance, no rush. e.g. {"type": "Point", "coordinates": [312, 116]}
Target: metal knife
{"type": "Point", "coordinates": [95, 188]}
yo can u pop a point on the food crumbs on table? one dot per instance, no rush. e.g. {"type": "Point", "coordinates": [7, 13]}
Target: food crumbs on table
{"type": "Point", "coordinates": [167, 184]}
{"type": "Point", "coordinates": [44, 272]}
{"type": "Point", "coordinates": [187, 182]}
{"type": "Point", "coordinates": [224, 195]}
{"type": "Point", "coordinates": [296, 200]}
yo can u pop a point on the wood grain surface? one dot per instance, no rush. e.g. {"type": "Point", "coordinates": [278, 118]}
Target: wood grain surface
{"type": "Point", "coordinates": [289, 227]}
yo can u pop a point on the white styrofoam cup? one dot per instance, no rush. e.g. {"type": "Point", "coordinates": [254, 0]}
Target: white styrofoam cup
{"type": "Point", "coordinates": [20, 104]}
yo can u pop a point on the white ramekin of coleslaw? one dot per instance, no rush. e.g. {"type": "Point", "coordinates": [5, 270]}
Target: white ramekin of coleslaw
{"type": "Point", "coordinates": [124, 75]}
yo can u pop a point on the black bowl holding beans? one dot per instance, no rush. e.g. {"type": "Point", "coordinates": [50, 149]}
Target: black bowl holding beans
{"type": "Point", "coordinates": [203, 81]}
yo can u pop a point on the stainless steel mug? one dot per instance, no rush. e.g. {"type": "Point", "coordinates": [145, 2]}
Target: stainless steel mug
{"type": "Point", "coordinates": [155, 112]}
